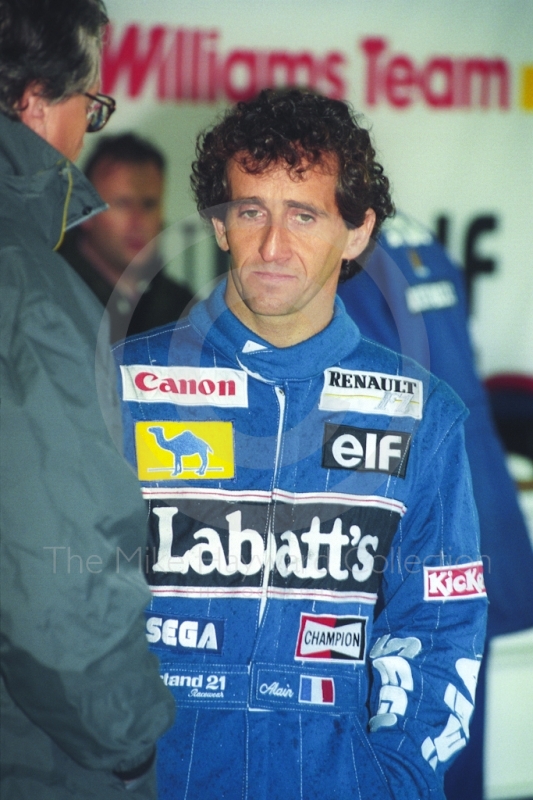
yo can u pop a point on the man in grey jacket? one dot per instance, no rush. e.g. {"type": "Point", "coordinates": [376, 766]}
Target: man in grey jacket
{"type": "Point", "coordinates": [82, 702]}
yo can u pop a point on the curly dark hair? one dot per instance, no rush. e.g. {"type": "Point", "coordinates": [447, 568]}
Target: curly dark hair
{"type": "Point", "coordinates": [54, 43]}
{"type": "Point", "coordinates": [298, 127]}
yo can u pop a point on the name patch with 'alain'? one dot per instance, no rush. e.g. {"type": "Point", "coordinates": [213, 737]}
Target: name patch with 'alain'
{"type": "Point", "coordinates": [371, 393]}
{"type": "Point", "coordinates": [324, 637]}
{"type": "Point", "coordinates": [185, 386]}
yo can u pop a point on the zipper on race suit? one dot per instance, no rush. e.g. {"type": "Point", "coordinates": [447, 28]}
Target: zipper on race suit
{"type": "Point", "coordinates": [270, 543]}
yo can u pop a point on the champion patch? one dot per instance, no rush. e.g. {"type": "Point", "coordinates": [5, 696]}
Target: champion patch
{"type": "Point", "coordinates": [185, 386]}
{"type": "Point", "coordinates": [365, 450]}
{"type": "Point", "coordinates": [325, 637]}
{"type": "Point", "coordinates": [318, 691]}
{"type": "Point", "coordinates": [460, 582]}
{"type": "Point", "coordinates": [371, 393]}
{"type": "Point", "coordinates": [168, 451]}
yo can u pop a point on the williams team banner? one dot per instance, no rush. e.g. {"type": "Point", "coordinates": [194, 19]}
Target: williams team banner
{"type": "Point", "coordinates": [447, 89]}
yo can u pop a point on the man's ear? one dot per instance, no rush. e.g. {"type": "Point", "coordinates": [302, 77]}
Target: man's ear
{"type": "Point", "coordinates": [220, 233]}
{"type": "Point", "coordinates": [34, 109]}
{"type": "Point", "coordinates": [358, 238]}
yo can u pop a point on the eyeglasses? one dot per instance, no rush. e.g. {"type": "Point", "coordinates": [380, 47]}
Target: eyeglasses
{"type": "Point", "coordinates": [99, 111]}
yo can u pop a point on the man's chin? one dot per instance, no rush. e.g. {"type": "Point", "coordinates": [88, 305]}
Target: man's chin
{"type": "Point", "coordinates": [270, 308]}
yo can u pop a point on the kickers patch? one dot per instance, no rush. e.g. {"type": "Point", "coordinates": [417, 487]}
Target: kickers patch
{"type": "Point", "coordinates": [371, 393]}
{"type": "Point", "coordinates": [460, 582]}
{"type": "Point", "coordinates": [365, 450]}
{"type": "Point", "coordinates": [184, 450]}
{"type": "Point", "coordinates": [323, 637]}
{"type": "Point", "coordinates": [185, 386]}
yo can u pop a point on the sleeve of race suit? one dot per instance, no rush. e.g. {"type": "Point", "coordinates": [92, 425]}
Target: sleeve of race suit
{"type": "Point", "coordinates": [428, 639]}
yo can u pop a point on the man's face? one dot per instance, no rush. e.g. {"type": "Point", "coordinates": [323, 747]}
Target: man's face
{"type": "Point", "coordinates": [287, 240]}
{"type": "Point", "coordinates": [134, 193]}
{"type": "Point", "coordinates": [62, 124]}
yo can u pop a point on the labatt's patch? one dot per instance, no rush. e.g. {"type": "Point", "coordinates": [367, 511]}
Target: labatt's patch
{"type": "Point", "coordinates": [323, 637]}
{"type": "Point", "coordinates": [185, 386]}
{"type": "Point", "coordinates": [371, 393]}
{"type": "Point", "coordinates": [459, 582]}
{"type": "Point", "coordinates": [168, 451]}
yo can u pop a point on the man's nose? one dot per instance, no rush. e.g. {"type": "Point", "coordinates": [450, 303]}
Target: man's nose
{"type": "Point", "coordinates": [275, 245]}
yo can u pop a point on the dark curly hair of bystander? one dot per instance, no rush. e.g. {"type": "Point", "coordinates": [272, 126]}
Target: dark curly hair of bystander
{"type": "Point", "coordinates": [301, 128]}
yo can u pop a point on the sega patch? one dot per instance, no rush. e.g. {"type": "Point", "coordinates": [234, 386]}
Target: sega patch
{"type": "Point", "coordinates": [183, 635]}
{"type": "Point", "coordinates": [324, 637]}
{"type": "Point", "coordinates": [459, 582]}
{"type": "Point", "coordinates": [184, 450]}
{"type": "Point", "coordinates": [185, 386]}
{"type": "Point", "coordinates": [371, 393]}
{"type": "Point", "coordinates": [365, 450]}
{"type": "Point", "coordinates": [315, 690]}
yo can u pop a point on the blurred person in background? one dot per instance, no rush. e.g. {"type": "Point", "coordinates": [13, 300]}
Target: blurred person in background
{"type": "Point", "coordinates": [411, 298]}
{"type": "Point", "coordinates": [82, 704]}
{"type": "Point", "coordinates": [116, 252]}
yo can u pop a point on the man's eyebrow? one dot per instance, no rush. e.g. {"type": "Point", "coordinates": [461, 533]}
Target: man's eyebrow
{"type": "Point", "coordinates": [254, 200]}
{"type": "Point", "coordinates": [319, 212]}
{"type": "Point", "coordinates": [289, 203]}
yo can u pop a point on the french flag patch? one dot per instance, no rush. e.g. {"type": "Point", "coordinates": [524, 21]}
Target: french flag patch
{"type": "Point", "coordinates": [319, 691]}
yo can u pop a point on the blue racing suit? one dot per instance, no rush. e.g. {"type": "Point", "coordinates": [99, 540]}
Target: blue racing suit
{"type": "Point", "coordinates": [318, 599]}
{"type": "Point", "coordinates": [411, 297]}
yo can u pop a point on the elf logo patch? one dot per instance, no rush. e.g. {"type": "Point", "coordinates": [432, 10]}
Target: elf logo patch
{"type": "Point", "coordinates": [323, 637]}
{"type": "Point", "coordinates": [366, 450]}
{"type": "Point", "coordinates": [184, 450]}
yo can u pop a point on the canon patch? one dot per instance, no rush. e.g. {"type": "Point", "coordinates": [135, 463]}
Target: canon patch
{"type": "Point", "coordinates": [366, 450]}
{"type": "Point", "coordinates": [323, 637]}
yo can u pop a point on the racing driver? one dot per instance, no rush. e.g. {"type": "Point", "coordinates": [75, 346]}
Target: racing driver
{"type": "Point", "coordinates": [318, 599]}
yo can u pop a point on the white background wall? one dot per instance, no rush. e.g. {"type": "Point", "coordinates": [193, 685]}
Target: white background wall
{"type": "Point", "coordinates": [462, 161]}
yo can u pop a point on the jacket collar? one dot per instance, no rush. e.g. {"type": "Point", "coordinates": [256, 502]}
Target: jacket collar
{"type": "Point", "coordinates": [34, 175]}
{"type": "Point", "coordinates": [223, 331]}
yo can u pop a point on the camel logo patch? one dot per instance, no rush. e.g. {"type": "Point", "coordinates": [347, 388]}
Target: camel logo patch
{"type": "Point", "coordinates": [184, 450]}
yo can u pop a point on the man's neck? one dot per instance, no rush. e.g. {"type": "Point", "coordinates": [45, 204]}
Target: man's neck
{"type": "Point", "coordinates": [128, 280]}
{"type": "Point", "coordinates": [286, 330]}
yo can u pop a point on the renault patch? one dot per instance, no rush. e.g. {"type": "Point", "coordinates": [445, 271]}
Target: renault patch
{"type": "Point", "coordinates": [324, 637]}
{"type": "Point", "coordinates": [371, 393]}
